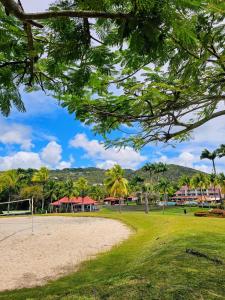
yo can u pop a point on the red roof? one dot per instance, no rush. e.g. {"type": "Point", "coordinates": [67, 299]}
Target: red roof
{"type": "Point", "coordinates": [79, 200]}
{"type": "Point", "coordinates": [111, 199]}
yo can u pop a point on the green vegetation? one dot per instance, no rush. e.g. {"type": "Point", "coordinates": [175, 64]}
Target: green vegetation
{"type": "Point", "coordinates": [95, 175]}
{"type": "Point", "coordinates": [64, 52]}
{"type": "Point", "coordinates": [151, 264]}
{"type": "Point", "coordinates": [116, 184]}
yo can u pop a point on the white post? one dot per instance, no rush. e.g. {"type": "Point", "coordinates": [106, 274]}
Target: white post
{"type": "Point", "coordinates": [32, 214]}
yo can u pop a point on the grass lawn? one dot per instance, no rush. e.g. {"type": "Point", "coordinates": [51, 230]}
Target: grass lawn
{"type": "Point", "coordinates": [151, 264]}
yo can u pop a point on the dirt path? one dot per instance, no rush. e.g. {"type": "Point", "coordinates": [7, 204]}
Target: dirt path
{"type": "Point", "coordinates": [56, 248]}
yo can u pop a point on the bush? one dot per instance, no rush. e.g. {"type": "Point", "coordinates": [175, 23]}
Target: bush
{"type": "Point", "coordinates": [201, 214]}
{"type": "Point", "coordinates": [217, 212]}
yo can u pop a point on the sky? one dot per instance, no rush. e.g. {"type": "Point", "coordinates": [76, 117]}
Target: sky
{"type": "Point", "coordinates": [47, 135]}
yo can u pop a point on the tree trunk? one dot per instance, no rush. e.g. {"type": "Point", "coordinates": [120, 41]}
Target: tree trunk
{"type": "Point", "coordinates": [201, 197]}
{"type": "Point", "coordinates": [164, 201]}
{"type": "Point", "coordinates": [141, 198]}
{"type": "Point", "coordinates": [214, 189]}
{"type": "Point", "coordinates": [42, 204]}
{"type": "Point", "coordinates": [146, 203]}
{"type": "Point", "coordinates": [9, 203]}
{"type": "Point", "coordinates": [214, 166]}
{"type": "Point", "coordinates": [120, 205]}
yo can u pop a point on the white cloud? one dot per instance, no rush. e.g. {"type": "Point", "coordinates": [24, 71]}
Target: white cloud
{"type": "Point", "coordinates": [15, 134]}
{"type": "Point", "coordinates": [108, 164]}
{"type": "Point", "coordinates": [50, 156]}
{"type": "Point", "coordinates": [21, 159]}
{"type": "Point", "coordinates": [36, 104]}
{"type": "Point", "coordinates": [64, 165]}
{"type": "Point", "coordinates": [190, 160]}
{"type": "Point", "coordinates": [213, 132]}
{"type": "Point", "coordinates": [185, 159]}
{"type": "Point", "coordinates": [126, 157]}
{"type": "Point", "coordinates": [52, 153]}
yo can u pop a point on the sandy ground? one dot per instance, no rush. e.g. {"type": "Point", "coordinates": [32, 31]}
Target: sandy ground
{"type": "Point", "coordinates": [56, 247]}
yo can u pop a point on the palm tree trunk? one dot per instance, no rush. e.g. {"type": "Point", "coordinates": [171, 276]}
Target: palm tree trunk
{"type": "Point", "coordinates": [141, 198]}
{"type": "Point", "coordinates": [120, 205]}
{"type": "Point", "coordinates": [214, 166]}
{"type": "Point", "coordinates": [146, 203]}
{"type": "Point", "coordinates": [9, 203]}
{"type": "Point", "coordinates": [201, 196]}
{"type": "Point", "coordinates": [164, 200]}
{"type": "Point", "coordinates": [214, 189]}
{"type": "Point", "coordinates": [42, 204]}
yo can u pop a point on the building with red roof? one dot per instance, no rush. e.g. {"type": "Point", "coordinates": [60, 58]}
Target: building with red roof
{"type": "Point", "coordinates": [75, 204]}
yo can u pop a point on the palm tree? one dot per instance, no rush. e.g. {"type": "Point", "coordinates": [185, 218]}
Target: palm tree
{"type": "Point", "coordinates": [213, 180]}
{"type": "Point", "coordinates": [10, 181]}
{"type": "Point", "coordinates": [151, 168]}
{"type": "Point", "coordinates": [185, 180]}
{"type": "Point", "coordinates": [200, 181]}
{"type": "Point", "coordinates": [221, 182]}
{"type": "Point", "coordinates": [206, 154]}
{"type": "Point", "coordinates": [137, 183]}
{"type": "Point", "coordinates": [41, 177]}
{"type": "Point", "coordinates": [82, 187]}
{"type": "Point", "coordinates": [70, 190]}
{"type": "Point", "coordinates": [35, 192]}
{"type": "Point", "coordinates": [97, 192]}
{"type": "Point", "coordinates": [116, 184]}
{"type": "Point", "coordinates": [164, 186]}
{"type": "Point", "coordinates": [221, 151]}
{"type": "Point", "coordinates": [160, 168]}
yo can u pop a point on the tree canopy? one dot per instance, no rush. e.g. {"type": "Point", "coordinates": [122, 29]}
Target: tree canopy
{"type": "Point", "coordinates": [157, 66]}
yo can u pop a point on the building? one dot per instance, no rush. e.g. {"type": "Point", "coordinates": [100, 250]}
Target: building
{"type": "Point", "coordinates": [187, 195]}
{"type": "Point", "coordinates": [74, 204]}
{"type": "Point", "coordinates": [115, 200]}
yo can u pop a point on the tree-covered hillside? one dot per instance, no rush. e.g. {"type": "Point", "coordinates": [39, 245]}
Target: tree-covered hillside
{"type": "Point", "coordinates": [95, 175]}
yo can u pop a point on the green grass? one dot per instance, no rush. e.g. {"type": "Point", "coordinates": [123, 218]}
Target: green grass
{"type": "Point", "coordinates": [151, 264]}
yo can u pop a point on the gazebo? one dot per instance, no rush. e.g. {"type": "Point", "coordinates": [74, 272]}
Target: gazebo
{"type": "Point", "coordinates": [76, 204]}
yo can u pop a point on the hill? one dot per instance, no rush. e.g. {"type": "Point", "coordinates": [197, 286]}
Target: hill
{"type": "Point", "coordinates": [96, 175]}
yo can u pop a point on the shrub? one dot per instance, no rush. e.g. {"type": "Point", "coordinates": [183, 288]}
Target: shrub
{"type": "Point", "coordinates": [201, 214]}
{"type": "Point", "coordinates": [217, 212]}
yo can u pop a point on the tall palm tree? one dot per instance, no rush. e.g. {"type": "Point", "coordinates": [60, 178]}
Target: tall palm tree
{"type": "Point", "coordinates": [41, 177]}
{"type": "Point", "coordinates": [221, 151]}
{"type": "Point", "coordinates": [185, 180]}
{"type": "Point", "coordinates": [160, 168]}
{"type": "Point", "coordinates": [10, 181]}
{"type": "Point", "coordinates": [213, 180]}
{"type": "Point", "coordinates": [137, 183]}
{"type": "Point", "coordinates": [97, 192]}
{"type": "Point", "coordinates": [221, 182]}
{"type": "Point", "coordinates": [164, 186]}
{"type": "Point", "coordinates": [82, 187]}
{"type": "Point", "coordinates": [70, 190]}
{"type": "Point", "coordinates": [151, 168]}
{"type": "Point", "coordinates": [206, 154]}
{"type": "Point", "coordinates": [116, 184]}
{"type": "Point", "coordinates": [199, 181]}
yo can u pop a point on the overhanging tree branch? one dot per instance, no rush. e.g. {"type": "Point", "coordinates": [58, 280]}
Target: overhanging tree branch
{"type": "Point", "coordinates": [12, 7]}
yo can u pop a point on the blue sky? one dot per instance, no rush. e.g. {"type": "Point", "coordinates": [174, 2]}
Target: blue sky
{"type": "Point", "coordinates": [47, 135]}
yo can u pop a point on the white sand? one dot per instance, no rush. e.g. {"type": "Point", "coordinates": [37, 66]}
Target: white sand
{"type": "Point", "coordinates": [56, 248]}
